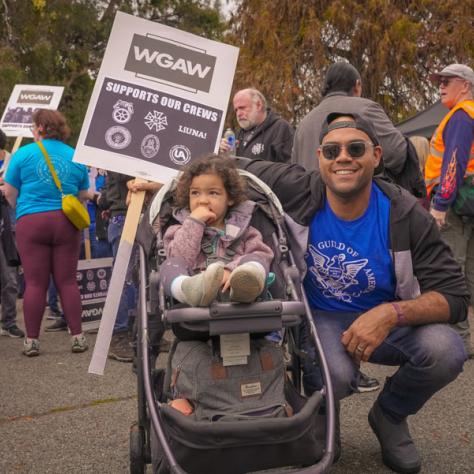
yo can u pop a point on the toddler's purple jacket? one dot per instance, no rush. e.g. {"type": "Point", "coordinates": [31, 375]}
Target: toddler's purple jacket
{"type": "Point", "coordinates": [184, 240]}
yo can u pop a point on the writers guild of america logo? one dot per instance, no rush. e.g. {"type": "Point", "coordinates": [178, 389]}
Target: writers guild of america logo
{"type": "Point", "coordinates": [340, 278]}
{"type": "Point", "coordinates": [118, 137]}
{"type": "Point", "coordinates": [180, 155]}
{"type": "Point", "coordinates": [150, 146]}
{"type": "Point", "coordinates": [176, 64]}
{"type": "Point", "coordinates": [35, 97]}
{"type": "Point", "coordinates": [258, 148]}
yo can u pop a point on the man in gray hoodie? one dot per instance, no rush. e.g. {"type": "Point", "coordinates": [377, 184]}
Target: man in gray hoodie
{"type": "Point", "coordinates": [342, 91]}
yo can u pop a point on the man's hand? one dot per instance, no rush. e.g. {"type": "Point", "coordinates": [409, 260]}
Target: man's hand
{"type": "Point", "coordinates": [203, 214]}
{"type": "Point", "coordinates": [137, 185]}
{"type": "Point", "coordinates": [439, 216]}
{"type": "Point", "coordinates": [368, 331]}
{"type": "Point", "coordinates": [224, 146]}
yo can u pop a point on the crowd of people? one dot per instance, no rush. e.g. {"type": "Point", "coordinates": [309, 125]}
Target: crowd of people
{"type": "Point", "coordinates": [49, 245]}
{"type": "Point", "coordinates": [388, 274]}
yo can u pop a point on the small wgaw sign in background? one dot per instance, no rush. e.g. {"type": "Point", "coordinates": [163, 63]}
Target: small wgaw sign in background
{"type": "Point", "coordinates": [93, 279]}
{"type": "Point", "coordinates": [159, 101]}
{"type": "Point", "coordinates": [17, 117]}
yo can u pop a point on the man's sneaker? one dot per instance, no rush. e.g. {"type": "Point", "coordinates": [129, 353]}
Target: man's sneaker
{"type": "Point", "coordinates": [31, 347]}
{"type": "Point", "coordinates": [79, 343]}
{"type": "Point", "coordinates": [53, 315]}
{"type": "Point", "coordinates": [366, 383]}
{"type": "Point", "coordinates": [13, 331]}
{"type": "Point", "coordinates": [399, 452]}
{"type": "Point", "coordinates": [247, 281]}
{"type": "Point", "coordinates": [202, 289]}
{"type": "Point", "coordinates": [120, 348]}
{"type": "Point", "coordinates": [58, 325]}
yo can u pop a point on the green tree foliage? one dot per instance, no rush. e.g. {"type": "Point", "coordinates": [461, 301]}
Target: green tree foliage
{"type": "Point", "coordinates": [286, 46]}
{"type": "Point", "coordinates": [62, 42]}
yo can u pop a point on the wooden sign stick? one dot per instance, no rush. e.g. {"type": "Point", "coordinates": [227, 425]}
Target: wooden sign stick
{"type": "Point", "coordinates": [117, 280]}
{"type": "Point", "coordinates": [87, 242]}
{"type": "Point", "coordinates": [17, 144]}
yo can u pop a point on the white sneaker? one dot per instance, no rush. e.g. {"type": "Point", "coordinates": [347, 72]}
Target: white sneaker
{"type": "Point", "coordinates": [247, 281]}
{"type": "Point", "coordinates": [202, 289]}
{"type": "Point", "coordinates": [31, 347]}
{"type": "Point", "coordinates": [79, 343]}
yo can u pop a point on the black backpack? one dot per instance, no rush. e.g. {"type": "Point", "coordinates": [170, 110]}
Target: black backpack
{"type": "Point", "coordinates": [410, 177]}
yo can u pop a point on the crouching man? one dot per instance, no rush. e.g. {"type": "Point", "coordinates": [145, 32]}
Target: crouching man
{"type": "Point", "coordinates": [381, 282]}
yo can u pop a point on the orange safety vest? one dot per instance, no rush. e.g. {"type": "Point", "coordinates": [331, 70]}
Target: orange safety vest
{"type": "Point", "coordinates": [435, 158]}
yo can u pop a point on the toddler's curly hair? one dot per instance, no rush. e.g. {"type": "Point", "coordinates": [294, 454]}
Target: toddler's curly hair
{"type": "Point", "coordinates": [211, 164]}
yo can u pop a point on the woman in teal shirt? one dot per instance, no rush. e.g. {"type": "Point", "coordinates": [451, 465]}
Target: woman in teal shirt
{"type": "Point", "coordinates": [48, 243]}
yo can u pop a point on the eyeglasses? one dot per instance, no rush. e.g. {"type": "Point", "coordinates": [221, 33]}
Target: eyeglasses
{"type": "Point", "coordinates": [444, 81]}
{"type": "Point", "coordinates": [354, 149]}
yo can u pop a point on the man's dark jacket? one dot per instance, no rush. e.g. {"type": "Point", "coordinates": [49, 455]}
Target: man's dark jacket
{"type": "Point", "coordinates": [114, 194]}
{"type": "Point", "coordinates": [272, 140]}
{"type": "Point", "coordinates": [422, 260]}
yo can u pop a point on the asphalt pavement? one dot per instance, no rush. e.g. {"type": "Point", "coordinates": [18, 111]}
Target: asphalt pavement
{"type": "Point", "coordinates": [57, 418]}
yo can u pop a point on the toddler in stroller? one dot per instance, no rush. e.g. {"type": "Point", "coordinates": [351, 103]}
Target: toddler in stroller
{"type": "Point", "coordinates": [245, 435]}
{"type": "Point", "coordinates": [213, 240]}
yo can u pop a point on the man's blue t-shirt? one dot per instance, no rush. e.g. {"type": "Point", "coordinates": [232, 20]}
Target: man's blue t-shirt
{"type": "Point", "coordinates": [349, 262]}
{"type": "Point", "coordinates": [29, 173]}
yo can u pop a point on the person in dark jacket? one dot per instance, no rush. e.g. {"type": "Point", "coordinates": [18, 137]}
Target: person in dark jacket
{"type": "Point", "coordinates": [380, 281]}
{"type": "Point", "coordinates": [263, 134]}
{"type": "Point", "coordinates": [8, 253]}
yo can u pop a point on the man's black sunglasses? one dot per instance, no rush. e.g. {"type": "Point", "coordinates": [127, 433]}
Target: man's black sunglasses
{"type": "Point", "coordinates": [354, 149]}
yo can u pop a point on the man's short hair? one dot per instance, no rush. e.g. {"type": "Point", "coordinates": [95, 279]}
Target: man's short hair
{"type": "Point", "coordinates": [3, 140]}
{"type": "Point", "coordinates": [359, 123]}
{"type": "Point", "coordinates": [340, 76]}
{"type": "Point", "coordinates": [256, 95]}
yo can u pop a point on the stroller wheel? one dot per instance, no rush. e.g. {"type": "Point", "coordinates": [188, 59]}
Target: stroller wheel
{"type": "Point", "coordinates": [137, 442]}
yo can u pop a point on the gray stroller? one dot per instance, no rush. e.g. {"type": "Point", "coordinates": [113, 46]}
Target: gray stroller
{"type": "Point", "coordinates": [302, 441]}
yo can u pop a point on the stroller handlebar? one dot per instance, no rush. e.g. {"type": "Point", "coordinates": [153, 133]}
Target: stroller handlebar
{"type": "Point", "coordinates": [267, 315]}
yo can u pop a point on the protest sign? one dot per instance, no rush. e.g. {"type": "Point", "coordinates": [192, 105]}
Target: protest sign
{"type": "Point", "coordinates": [17, 117]}
{"type": "Point", "coordinates": [159, 100]}
{"type": "Point", "coordinates": [93, 278]}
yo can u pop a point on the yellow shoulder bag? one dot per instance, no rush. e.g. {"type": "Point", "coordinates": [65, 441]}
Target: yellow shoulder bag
{"type": "Point", "coordinates": [71, 206]}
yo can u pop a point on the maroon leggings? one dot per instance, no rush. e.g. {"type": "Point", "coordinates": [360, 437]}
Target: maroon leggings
{"type": "Point", "coordinates": [48, 243]}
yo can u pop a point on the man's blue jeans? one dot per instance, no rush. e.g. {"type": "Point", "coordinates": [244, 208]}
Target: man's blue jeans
{"type": "Point", "coordinates": [100, 248]}
{"type": "Point", "coordinates": [129, 294]}
{"type": "Point", "coordinates": [429, 356]}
